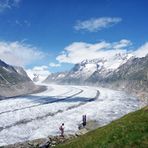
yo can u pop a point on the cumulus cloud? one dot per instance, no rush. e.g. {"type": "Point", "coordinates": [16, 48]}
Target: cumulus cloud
{"type": "Point", "coordinates": [78, 51]}
{"type": "Point", "coordinates": [96, 24]}
{"type": "Point", "coordinates": [54, 65]}
{"type": "Point", "coordinates": [121, 44]}
{"type": "Point", "coordinates": [18, 53]}
{"type": "Point", "coordinates": [8, 4]}
{"type": "Point", "coordinates": [41, 71]}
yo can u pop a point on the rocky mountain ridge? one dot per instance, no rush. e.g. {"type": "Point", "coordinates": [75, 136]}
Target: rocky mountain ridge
{"type": "Point", "coordinates": [122, 72]}
{"type": "Point", "coordinates": [14, 81]}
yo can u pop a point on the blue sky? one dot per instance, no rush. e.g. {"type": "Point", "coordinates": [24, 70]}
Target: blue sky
{"type": "Point", "coordinates": [49, 26]}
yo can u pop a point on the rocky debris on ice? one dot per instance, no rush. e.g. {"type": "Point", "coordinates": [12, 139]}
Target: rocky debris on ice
{"type": "Point", "coordinates": [52, 141]}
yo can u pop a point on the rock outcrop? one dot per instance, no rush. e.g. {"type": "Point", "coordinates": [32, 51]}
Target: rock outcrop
{"type": "Point", "coordinates": [14, 81]}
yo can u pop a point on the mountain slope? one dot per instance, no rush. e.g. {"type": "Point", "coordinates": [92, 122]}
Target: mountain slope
{"type": "Point", "coordinates": [122, 72]}
{"type": "Point", "coordinates": [132, 77]}
{"type": "Point", "coordinates": [14, 81]}
{"type": "Point", "coordinates": [55, 77]}
{"type": "Point", "coordinates": [133, 69]}
{"type": "Point", "coordinates": [82, 71]}
{"type": "Point", "coordinates": [129, 131]}
{"type": "Point", "coordinates": [12, 75]}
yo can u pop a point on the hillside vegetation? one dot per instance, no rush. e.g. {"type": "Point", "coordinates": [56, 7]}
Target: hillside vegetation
{"type": "Point", "coordinates": [129, 131]}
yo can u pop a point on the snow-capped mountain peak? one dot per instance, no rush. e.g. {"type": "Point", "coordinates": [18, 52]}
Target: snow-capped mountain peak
{"type": "Point", "coordinates": [117, 60]}
{"type": "Point", "coordinates": [85, 69]}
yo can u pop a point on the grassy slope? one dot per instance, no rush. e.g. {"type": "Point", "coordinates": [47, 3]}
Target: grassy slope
{"type": "Point", "coordinates": [129, 131]}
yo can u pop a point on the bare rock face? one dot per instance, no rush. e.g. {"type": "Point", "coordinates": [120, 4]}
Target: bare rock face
{"type": "Point", "coordinates": [14, 81]}
{"type": "Point", "coordinates": [10, 75]}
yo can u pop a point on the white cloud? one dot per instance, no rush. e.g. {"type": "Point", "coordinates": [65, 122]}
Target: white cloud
{"type": "Point", "coordinates": [54, 65]}
{"type": "Point", "coordinates": [122, 43]}
{"type": "Point", "coordinates": [141, 51]}
{"type": "Point", "coordinates": [41, 71]}
{"type": "Point", "coordinates": [18, 53]}
{"type": "Point", "coordinates": [23, 23]}
{"type": "Point", "coordinates": [8, 4]}
{"type": "Point", "coordinates": [78, 51]}
{"type": "Point", "coordinates": [96, 24]}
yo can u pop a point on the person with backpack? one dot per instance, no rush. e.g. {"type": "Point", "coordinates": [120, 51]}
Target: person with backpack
{"type": "Point", "coordinates": [84, 120]}
{"type": "Point", "coordinates": [61, 128]}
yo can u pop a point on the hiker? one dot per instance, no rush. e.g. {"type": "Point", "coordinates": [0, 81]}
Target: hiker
{"type": "Point", "coordinates": [84, 120]}
{"type": "Point", "coordinates": [62, 130]}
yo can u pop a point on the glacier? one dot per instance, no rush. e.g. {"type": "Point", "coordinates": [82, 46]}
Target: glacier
{"type": "Point", "coordinates": [40, 115]}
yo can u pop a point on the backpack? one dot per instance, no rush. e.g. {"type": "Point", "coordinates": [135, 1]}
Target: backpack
{"type": "Point", "coordinates": [60, 128]}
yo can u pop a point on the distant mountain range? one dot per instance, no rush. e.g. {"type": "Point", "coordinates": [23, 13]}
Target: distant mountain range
{"type": "Point", "coordinates": [82, 72]}
{"type": "Point", "coordinates": [122, 72]}
{"type": "Point", "coordinates": [14, 81]}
